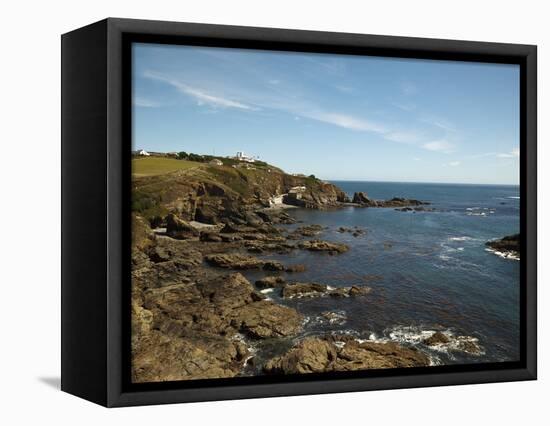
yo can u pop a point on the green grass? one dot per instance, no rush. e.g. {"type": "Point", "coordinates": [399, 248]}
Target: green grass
{"type": "Point", "coordinates": [151, 166]}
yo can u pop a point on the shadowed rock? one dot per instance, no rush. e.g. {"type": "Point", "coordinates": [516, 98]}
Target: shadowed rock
{"type": "Point", "coordinates": [179, 228]}
{"type": "Point", "coordinates": [270, 282]}
{"type": "Point", "coordinates": [509, 245]}
{"type": "Point", "coordinates": [239, 261]}
{"type": "Point", "coordinates": [436, 338]}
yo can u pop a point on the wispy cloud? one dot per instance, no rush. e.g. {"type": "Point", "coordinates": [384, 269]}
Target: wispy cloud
{"type": "Point", "coordinates": [201, 96]}
{"type": "Point", "coordinates": [439, 146]}
{"type": "Point", "coordinates": [403, 137]}
{"type": "Point", "coordinates": [277, 97]}
{"type": "Point", "coordinates": [344, 120]}
{"type": "Point", "coordinates": [512, 154]}
{"type": "Point", "coordinates": [145, 103]}
{"type": "Point", "coordinates": [454, 163]}
{"type": "Point", "coordinates": [405, 106]}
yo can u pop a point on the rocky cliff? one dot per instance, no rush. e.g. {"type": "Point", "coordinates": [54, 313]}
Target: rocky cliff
{"type": "Point", "coordinates": [227, 194]}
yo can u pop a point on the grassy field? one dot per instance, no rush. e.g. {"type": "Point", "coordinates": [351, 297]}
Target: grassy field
{"type": "Point", "coordinates": [150, 166]}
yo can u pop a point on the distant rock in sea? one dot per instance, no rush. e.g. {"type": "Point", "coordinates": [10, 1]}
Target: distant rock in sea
{"type": "Point", "coordinates": [507, 247]}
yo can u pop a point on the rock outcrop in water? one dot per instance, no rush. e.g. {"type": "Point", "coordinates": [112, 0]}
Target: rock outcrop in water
{"type": "Point", "coordinates": [323, 246]}
{"type": "Point", "coordinates": [508, 246]}
{"type": "Point", "coordinates": [362, 199]}
{"type": "Point", "coordinates": [310, 290]}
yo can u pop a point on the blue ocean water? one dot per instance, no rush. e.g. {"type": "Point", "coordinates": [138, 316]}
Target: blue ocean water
{"type": "Point", "coordinates": [427, 270]}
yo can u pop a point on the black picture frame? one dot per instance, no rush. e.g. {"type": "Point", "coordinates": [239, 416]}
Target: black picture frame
{"type": "Point", "coordinates": [96, 126]}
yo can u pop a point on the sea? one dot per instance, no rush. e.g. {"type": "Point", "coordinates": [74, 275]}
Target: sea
{"type": "Point", "coordinates": [429, 271]}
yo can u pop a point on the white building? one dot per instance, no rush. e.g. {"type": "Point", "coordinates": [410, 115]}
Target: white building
{"type": "Point", "coordinates": [143, 153]}
{"type": "Point", "coordinates": [241, 156]}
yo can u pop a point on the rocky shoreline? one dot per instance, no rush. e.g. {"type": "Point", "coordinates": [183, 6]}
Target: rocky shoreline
{"type": "Point", "coordinates": [196, 316]}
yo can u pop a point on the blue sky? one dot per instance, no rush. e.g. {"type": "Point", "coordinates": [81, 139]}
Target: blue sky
{"type": "Point", "coordinates": [335, 116]}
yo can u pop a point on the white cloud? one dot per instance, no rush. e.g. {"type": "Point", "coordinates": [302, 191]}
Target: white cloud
{"type": "Point", "coordinates": [454, 163]}
{"type": "Point", "coordinates": [344, 120]}
{"type": "Point", "coordinates": [274, 81]}
{"type": "Point", "coordinates": [202, 97]}
{"type": "Point", "coordinates": [512, 154]}
{"type": "Point", "coordinates": [145, 103]}
{"type": "Point", "coordinates": [439, 146]}
{"type": "Point", "coordinates": [402, 137]}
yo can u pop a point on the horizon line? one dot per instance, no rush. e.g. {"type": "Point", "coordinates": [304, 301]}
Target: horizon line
{"type": "Point", "coordinates": [439, 183]}
{"type": "Point", "coordinates": [342, 180]}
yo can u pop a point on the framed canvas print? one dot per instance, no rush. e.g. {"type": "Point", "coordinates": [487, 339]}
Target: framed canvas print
{"type": "Point", "coordinates": [252, 212]}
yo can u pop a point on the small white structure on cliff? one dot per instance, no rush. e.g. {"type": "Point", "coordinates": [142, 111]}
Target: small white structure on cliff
{"type": "Point", "coordinates": [241, 156]}
{"type": "Point", "coordinates": [143, 153]}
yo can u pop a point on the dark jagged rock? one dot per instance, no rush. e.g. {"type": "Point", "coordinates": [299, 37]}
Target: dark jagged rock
{"type": "Point", "coordinates": [157, 222]}
{"type": "Point", "coordinates": [179, 228]}
{"type": "Point", "coordinates": [207, 213]}
{"type": "Point", "coordinates": [414, 209]}
{"type": "Point", "coordinates": [436, 338]}
{"type": "Point", "coordinates": [509, 245]}
{"type": "Point", "coordinates": [300, 290]}
{"type": "Point", "coordinates": [363, 200]}
{"type": "Point", "coordinates": [270, 282]}
{"type": "Point", "coordinates": [265, 319]}
{"type": "Point", "coordinates": [210, 236]}
{"type": "Point", "coordinates": [308, 230]}
{"type": "Point", "coordinates": [268, 246]}
{"type": "Point", "coordinates": [238, 261]}
{"type": "Point", "coordinates": [355, 231]}
{"type": "Point", "coordinates": [277, 216]}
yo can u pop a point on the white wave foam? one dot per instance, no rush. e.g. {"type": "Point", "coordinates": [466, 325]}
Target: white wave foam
{"type": "Point", "coordinates": [266, 290]}
{"type": "Point", "coordinates": [465, 238]}
{"type": "Point", "coordinates": [251, 348]}
{"type": "Point", "coordinates": [416, 336]}
{"type": "Point", "coordinates": [504, 255]}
